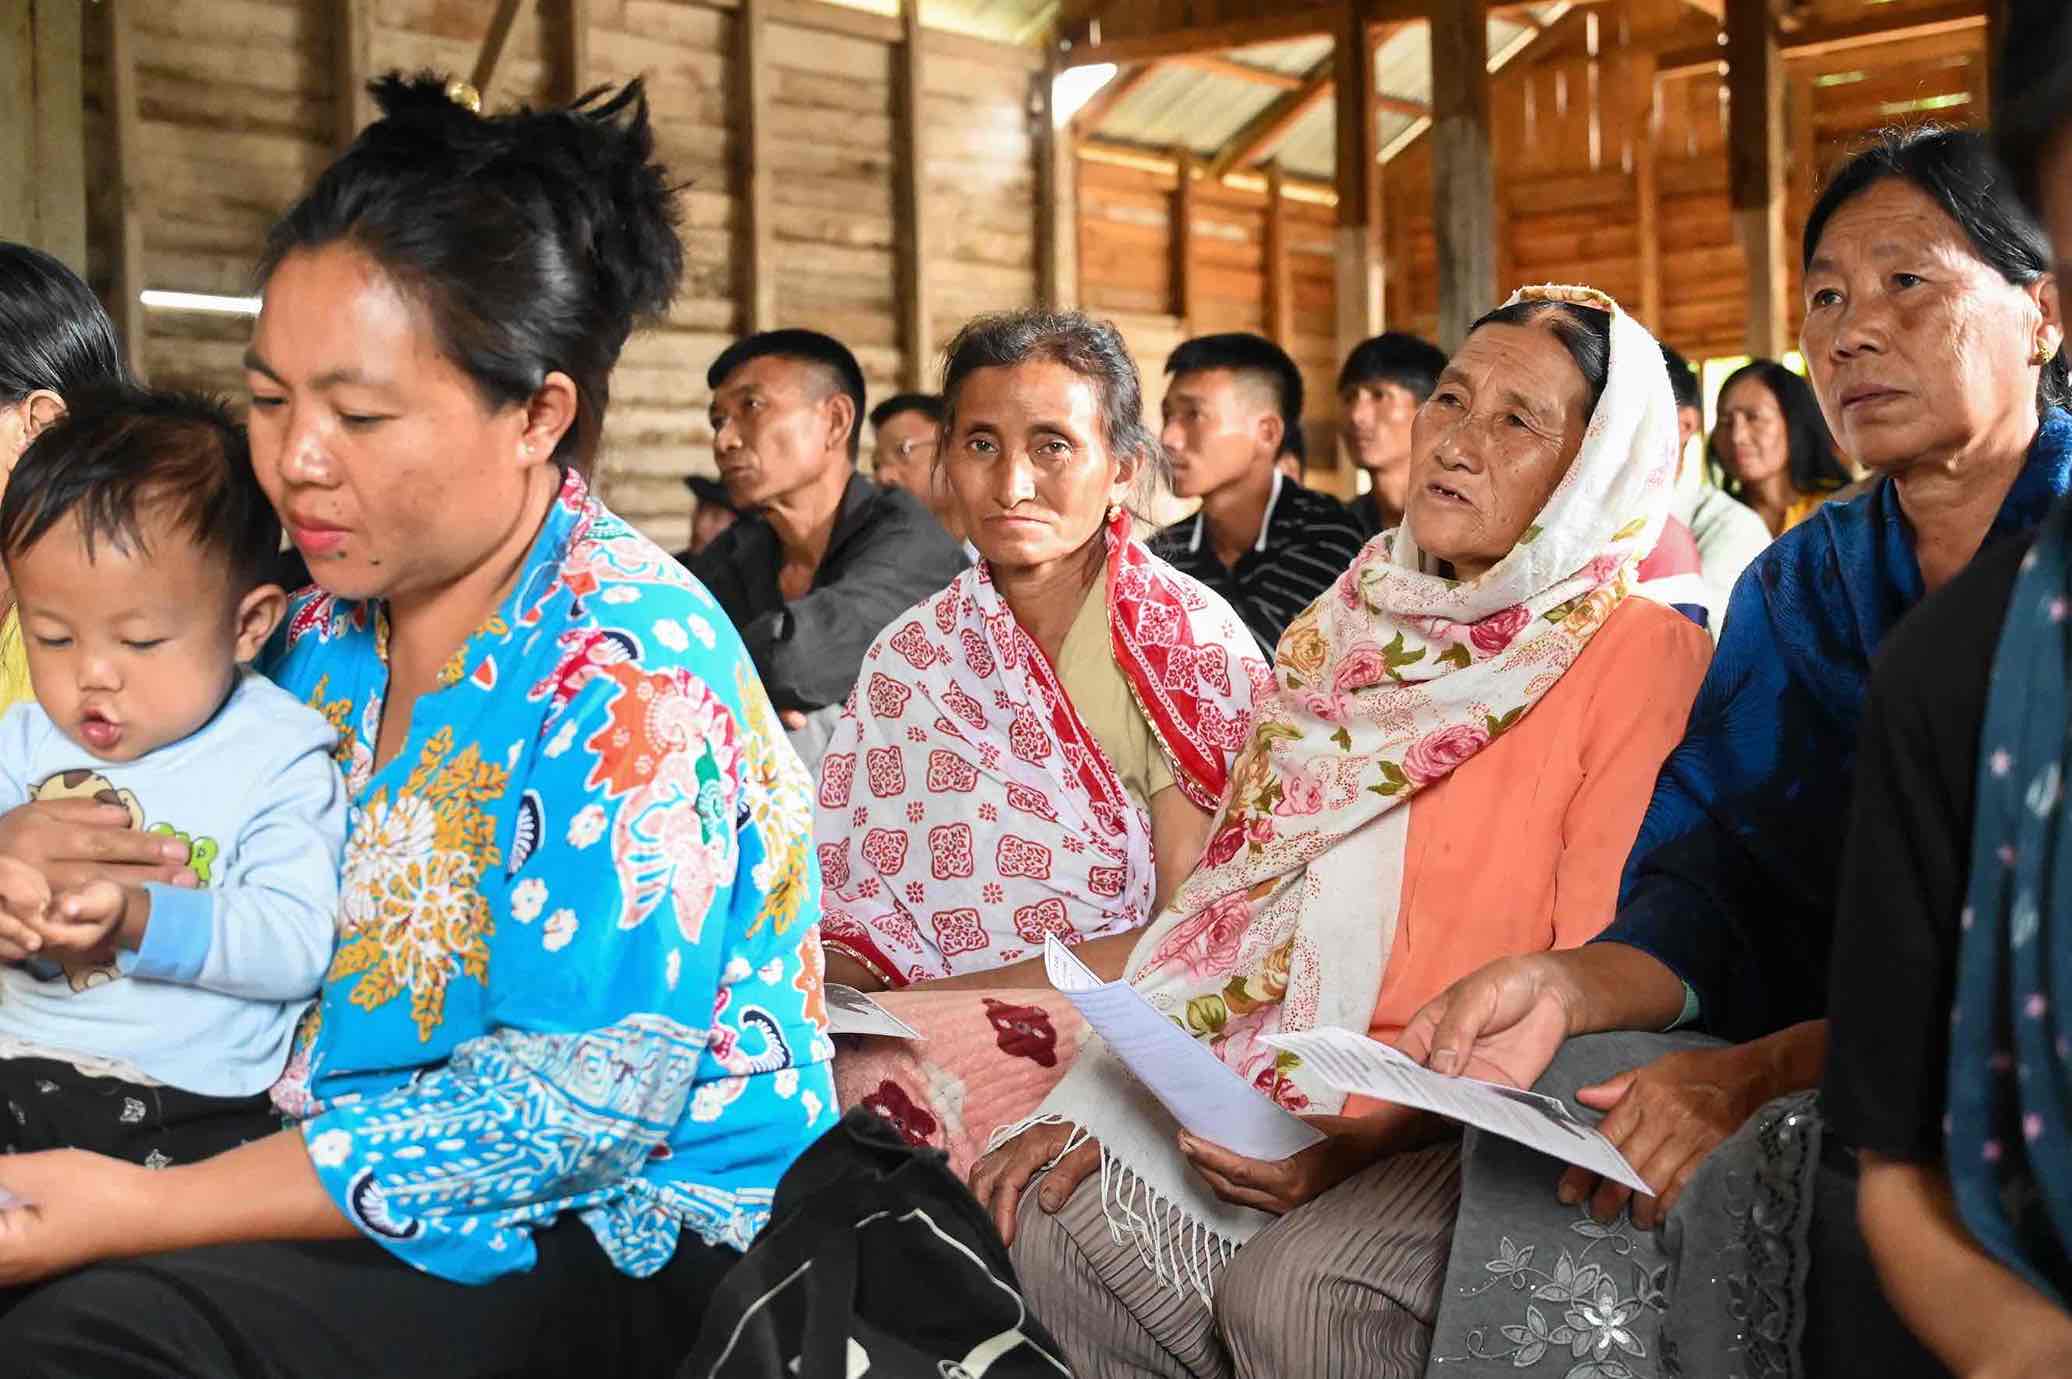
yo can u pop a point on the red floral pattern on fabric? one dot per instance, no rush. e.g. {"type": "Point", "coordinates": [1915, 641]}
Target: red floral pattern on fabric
{"type": "Point", "coordinates": [887, 773]}
{"type": "Point", "coordinates": [994, 726]}
{"type": "Point", "coordinates": [914, 1124]}
{"type": "Point", "coordinates": [1024, 1032]}
{"type": "Point", "coordinates": [1022, 857]}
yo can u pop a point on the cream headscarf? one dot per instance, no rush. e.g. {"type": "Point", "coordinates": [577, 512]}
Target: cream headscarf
{"type": "Point", "coordinates": [1394, 677]}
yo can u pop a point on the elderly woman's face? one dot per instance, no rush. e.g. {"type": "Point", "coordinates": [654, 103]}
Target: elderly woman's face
{"type": "Point", "coordinates": [1916, 346]}
{"type": "Point", "coordinates": [1487, 450]}
{"type": "Point", "coordinates": [1029, 463]}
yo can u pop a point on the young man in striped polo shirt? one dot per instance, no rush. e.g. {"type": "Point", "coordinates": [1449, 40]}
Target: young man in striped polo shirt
{"type": "Point", "coordinates": [1261, 539]}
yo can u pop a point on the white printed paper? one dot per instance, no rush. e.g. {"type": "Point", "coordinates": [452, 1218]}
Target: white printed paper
{"type": "Point", "coordinates": [849, 1011]}
{"type": "Point", "coordinates": [1204, 1094]}
{"type": "Point", "coordinates": [1354, 1063]}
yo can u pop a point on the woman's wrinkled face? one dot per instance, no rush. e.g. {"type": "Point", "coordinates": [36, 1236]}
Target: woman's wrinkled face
{"type": "Point", "coordinates": [1917, 346]}
{"type": "Point", "coordinates": [1029, 464]}
{"type": "Point", "coordinates": [1751, 438]}
{"type": "Point", "coordinates": [1489, 447]}
{"type": "Point", "coordinates": [391, 473]}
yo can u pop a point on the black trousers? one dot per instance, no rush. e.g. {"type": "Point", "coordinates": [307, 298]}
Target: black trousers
{"type": "Point", "coordinates": [351, 1310]}
{"type": "Point", "coordinates": [51, 1105]}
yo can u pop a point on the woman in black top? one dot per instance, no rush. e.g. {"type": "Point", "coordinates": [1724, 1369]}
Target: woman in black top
{"type": "Point", "coordinates": [1980, 1274]}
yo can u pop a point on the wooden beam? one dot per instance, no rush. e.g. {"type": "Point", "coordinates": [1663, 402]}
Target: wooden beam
{"type": "Point", "coordinates": [823, 17]}
{"type": "Point", "coordinates": [1694, 52]}
{"type": "Point", "coordinates": [1357, 290]}
{"type": "Point", "coordinates": [1267, 130]}
{"type": "Point", "coordinates": [1117, 153]}
{"type": "Point", "coordinates": [1280, 292]}
{"type": "Point", "coordinates": [42, 129]}
{"type": "Point", "coordinates": [752, 125]}
{"type": "Point", "coordinates": [910, 196]}
{"type": "Point", "coordinates": [352, 45]}
{"type": "Point", "coordinates": [1185, 284]}
{"type": "Point", "coordinates": [1277, 22]}
{"type": "Point", "coordinates": [1643, 101]}
{"type": "Point", "coordinates": [1715, 9]}
{"type": "Point", "coordinates": [1825, 40]}
{"type": "Point", "coordinates": [1463, 172]}
{"type": "Point", "coordinates": [1087, 119]}
{"type": "Point", "coordinates": [127, 280]}
{"type": "Point", "coordinates": [567, 23]}
{"type": "Point", "coordinates": [1057, 201]}
{"type": "Point", "coordinates": [1755, 167]}
{"type": "Point", "coordinates": [493, 46]}
{"type": "Point", "coordinates": [1239, 71]}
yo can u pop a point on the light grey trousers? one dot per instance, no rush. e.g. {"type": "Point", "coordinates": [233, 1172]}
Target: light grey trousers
{"type": "Point", "coordinates": [1345, 1285]}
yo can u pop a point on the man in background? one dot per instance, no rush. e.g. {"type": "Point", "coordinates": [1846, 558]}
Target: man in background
{"type": "Point", "coordinates": [712, 512]}
{"type": "Point", "coordinates": [1384, 381]}
{"type": "Point", "coordinates": [1727, 533]}
{"type": "Point", "coordinates": [821, 558]}
{"type": "Point", "coordinates": [906, 435]}
{"type": "Point", "coordinates": [1262, 540]}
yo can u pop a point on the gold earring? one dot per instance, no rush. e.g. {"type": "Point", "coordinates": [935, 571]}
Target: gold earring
{"type": "Point", "coordinates": [2045, 352]}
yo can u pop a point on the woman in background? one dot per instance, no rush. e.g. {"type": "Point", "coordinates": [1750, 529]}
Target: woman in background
{"type": "Point", "coordinates": [1771, 446]}
{"type": "Point", "coordinates": [54, 340]}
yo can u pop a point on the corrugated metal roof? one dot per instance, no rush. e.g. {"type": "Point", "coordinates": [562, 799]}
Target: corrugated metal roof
{"type": "Point", "coordinates": [1201, 110]}
{"type": "Point", "coordinates": [1005, 21]}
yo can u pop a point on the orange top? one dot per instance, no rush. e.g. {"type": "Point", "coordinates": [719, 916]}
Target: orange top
{"type": "Point", "coordinates": [1520, 849]}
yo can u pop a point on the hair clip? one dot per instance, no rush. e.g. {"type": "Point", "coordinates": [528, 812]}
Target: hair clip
{"type": "Point", "coordinates": [464, 95]}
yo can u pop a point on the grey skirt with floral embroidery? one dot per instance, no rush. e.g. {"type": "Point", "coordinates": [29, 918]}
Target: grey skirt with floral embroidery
{"type": "Point", "coordinates": [1721, 1289]}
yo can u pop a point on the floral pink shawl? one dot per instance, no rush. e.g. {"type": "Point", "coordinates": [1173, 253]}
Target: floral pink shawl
{"type": "Point", "coordinates": [964, 809]}
{"type": "Point", "coordinates": [1388, 682]}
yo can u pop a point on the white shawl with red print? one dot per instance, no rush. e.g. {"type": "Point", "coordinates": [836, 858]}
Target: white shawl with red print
{"type": "Point", "coordinates": [965, 811]}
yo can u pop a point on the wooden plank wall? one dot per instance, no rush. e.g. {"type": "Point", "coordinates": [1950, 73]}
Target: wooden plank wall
{"type": "Point", "coordinates": [1565, 131]}
{"type": "Point", "coordinates": [237, 100]}
{"type": "Point", "coordinates": [1126, 274]}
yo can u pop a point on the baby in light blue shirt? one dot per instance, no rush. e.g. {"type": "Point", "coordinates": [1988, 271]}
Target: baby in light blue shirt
{"type": "Point", "coordinates": [148, 1020]}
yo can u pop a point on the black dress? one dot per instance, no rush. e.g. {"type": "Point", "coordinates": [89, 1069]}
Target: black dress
{"type": "Point", "coordinates": [1907, 864]}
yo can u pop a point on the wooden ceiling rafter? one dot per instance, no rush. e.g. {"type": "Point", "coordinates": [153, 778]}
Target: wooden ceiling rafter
{"type": "Point", "coordinates": [1083, 43]}
{"type": "Point", "coordinates": [1088, 117]}
{"type": "Point", "coordinates": [1265, 132]}
{"type": "Point", "coordinates": [1239, 71]}
{"type": "Point", "coordinates": [1693, 55]}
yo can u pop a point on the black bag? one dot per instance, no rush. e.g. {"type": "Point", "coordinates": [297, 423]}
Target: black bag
{"type": "Point", "coordinates": [877, 1264]}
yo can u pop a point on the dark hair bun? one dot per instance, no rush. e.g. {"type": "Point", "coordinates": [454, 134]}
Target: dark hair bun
{"type": "Point", "coordinates": [593, 161]}
{"type": "Point", "coordinates": [537, 239]}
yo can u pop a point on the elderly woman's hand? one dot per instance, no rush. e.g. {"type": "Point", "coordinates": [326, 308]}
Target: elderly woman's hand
{"type": "Point", "coordinates": [1666, 1118]}
{"type": "Point", "coordinates": [75, 843]}
{"type": "Point", "coordinates": [1278, 1186]}
{"type": "Point", "coordinates": [999, 1179]}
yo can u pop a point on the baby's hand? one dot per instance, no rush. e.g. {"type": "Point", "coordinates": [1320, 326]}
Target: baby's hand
{"type": "Point", "coordinates": [24, 897]}
{"type": "Point", "coordinates": [82, 923]}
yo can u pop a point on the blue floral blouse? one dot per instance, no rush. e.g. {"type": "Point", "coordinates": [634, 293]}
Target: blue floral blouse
{"type": "Point", "coordinates": [578, 966]}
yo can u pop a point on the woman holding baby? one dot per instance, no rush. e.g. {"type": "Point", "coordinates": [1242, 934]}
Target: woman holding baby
{"type": "Point", "coordinates": [571, 1034]}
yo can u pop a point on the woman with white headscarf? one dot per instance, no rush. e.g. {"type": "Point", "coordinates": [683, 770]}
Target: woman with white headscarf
{"type": "Point", "coordinates": [1485, 666]}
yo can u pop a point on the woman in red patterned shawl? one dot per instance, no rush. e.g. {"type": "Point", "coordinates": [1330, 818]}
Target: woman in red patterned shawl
{"type": "Point", "coordinates": [1038, 748]}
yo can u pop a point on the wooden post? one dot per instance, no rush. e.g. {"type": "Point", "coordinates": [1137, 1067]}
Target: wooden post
{"type": "Point", "coordinates": [127, 280]}
{"type": "Point", "coordinates": [1647, 187]}
{"type": "Point", "coordinates": [352, 43]}
{"type": "Point", "coordinates": [1183, 238]}
{"type": "Point", "coordinates": [1357, 289]}
{"type": "Point", "coordinates": [910, 195]}
{"type": "Point", "coordinates": [1755, 167]}
{"type": "Point", "coordinates": [1057, 198]}
{"type": "Point", "coordinates": [752, 131]}
{"type": "Point", "coordinates": [568, 38]}
{"type": "Point", "coordinates": [1280, 295]}
{"type": "Point", "coordinates": [42, 130]}
{"type": "Point", "coordinates": [1463, 175]}
{"type": "Point", "coordinates": [493, 47]}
